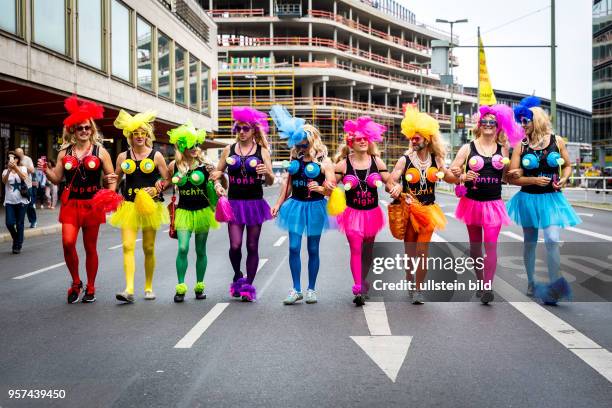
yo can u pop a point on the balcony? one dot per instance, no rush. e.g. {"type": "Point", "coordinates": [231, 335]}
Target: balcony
{"type": "Point", "coordinates": [288, 9]}
{"type": "Point", "coordinates": [236, 13]}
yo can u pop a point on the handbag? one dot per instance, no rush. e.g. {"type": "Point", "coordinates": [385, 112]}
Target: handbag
{"type": "Point", "coordinates": [24, 190]}
{"type": "Point", "coordinates": [398, 217]}
{"type": "Point", "coordinates": [172, 212]}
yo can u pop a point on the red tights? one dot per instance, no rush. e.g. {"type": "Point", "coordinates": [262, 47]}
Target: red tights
{"type": "Point", "coordinates": [90, 241]}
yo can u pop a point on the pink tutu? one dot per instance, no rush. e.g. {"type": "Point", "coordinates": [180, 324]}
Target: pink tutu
{"type": "Point", "coordinates": [366, 223]}
{"type": "Point", "coordinates": [482, 213]}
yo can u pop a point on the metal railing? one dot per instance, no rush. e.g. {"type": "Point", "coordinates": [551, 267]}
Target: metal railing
{"type": "Point", "coordinates": [230, 13]}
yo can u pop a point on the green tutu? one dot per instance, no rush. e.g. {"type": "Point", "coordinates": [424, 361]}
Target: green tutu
{"type": "Point", "coordinates": [128, 216]}
{"type": "Point", "coordinates": [196, 221]}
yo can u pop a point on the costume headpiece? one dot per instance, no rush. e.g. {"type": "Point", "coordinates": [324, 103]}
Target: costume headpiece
{"type": "Point", "coordinates": [365, 127]}
{"type": "Point", "coordinates": [250, 115]}
{"type": "Point", "coordinates": [129, 123]}
{"type": "Point", "coordinates": [522, 109]}
{"type": "Point", "coordinates": [81, 111]}
{"type": "Point", "coordinates": [419, 122]}
{"type": "Point", "coordinates": [186, 136]}
{"type": "Point", "coordinates": [289, 127]}
{"type": "Point", "coordinates": [505, 121]}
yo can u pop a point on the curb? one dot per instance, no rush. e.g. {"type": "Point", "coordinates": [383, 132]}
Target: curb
{"type": "Point", "coordinates": [34, 232]}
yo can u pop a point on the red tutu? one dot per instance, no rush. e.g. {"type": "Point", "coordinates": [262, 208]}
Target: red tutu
{"type": "Point", "coordinates": [81, 213]}
{"type": "Point", "coordinates": [366, 223]}
{"type": "Point", "coordinates": [482, 213]}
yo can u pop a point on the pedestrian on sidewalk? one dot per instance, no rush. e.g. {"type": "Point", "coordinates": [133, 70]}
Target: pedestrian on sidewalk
{"type": "Point", "coordinates": [29, 164]}
{"type": "Point", "coordinates": [16, 198]}
{"type": "Point", "coordinates": [51, 189]}
{"type": "Point", "coordinates": [41, 182]}
{"type": "Point", "coordinates": [82, 160]}
{"type": "Point", "coordinates": [301, 207]}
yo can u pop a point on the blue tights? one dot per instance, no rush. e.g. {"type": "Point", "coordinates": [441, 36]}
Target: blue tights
{"type": "Point", "coordinates": [295, 262]}
{"type": "Point", "coordinates": [551, 240]}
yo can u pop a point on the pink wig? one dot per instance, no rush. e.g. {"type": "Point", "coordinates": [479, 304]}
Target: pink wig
{"type": "Point", "coordinates": [505, 121]}
{"type": "Point", "coordinates": [250, 115]}
{"type": "Point", "coordinates": [364, 126]}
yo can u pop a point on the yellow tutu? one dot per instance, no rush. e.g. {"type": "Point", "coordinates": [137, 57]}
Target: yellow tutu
{"type": "Point", "coordinates": [128, 216]}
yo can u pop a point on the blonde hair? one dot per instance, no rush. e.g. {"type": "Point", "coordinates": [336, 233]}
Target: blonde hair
{"type": "Point", "coordinates": [181, 164]}
{"type": "Point", "coordinates": [150, 136]}
{"type": "Point", "coordinates": [500, 137]}
{"type": "Point", "coordinates": [259, 135]}
{"type": "Point", "coordinates": [69, 137]}
{"type": "Point", "coordinates": [541, 125]}
{"type": "Point", "coordinates": [318, 150]}
{"type": "Point", "coordinates": [344, 150]}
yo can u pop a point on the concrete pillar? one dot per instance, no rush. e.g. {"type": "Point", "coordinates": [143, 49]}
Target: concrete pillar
{"type": "Point", "coordinates": [350, 13]}
{"type": "Point", "coordinates": [271, 31]}
{"type": "Point", "coordinates": [444, 107]}
{"type": "Point", "coordinates": [351, 40]}
{"type": "Point", "coordinates": [351, 88]}
{"type": "Point", "coordinates": [369, 96]}
{"type": "Point", "coordinates": [335, 7]}
{"type": "Point", "coordinates": [386, 98]}
{"type": "Point", "coordinates": [335, 35]}
{"type": "Point", "coordinates": [210, 4]}
{"type": "Point", "coordinates": [271, 8]}
{"type": "Point", "coordinates": [370, 26]}
{"type": "Point", "coordinates": [324, 92]}
{"type": "Point", "coordinates": [309, 5]}
{"type": "Point", "coordinates": [309, 56]}
{"type": "Point", "coordinates": [310, 34]}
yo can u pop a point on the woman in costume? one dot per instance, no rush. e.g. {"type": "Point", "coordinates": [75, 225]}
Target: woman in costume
{"type": "Point", "coordinates": [542, 164]}
{"type": "Point", "coordinates": [301, 205]}
{"type": "Point", "coordinates": [81, 161]}
{"type": "Point", "coordinates": [195, 212]}
{"type": "Point", "coordinates": [480, 205]}
{"type": "Point", "coordinates": [418, 170]}
{"type": "Point", "coordinates": [361, 170]}
{"type": "Point", "coordinates": [248, 166]}
{"type": "Point", "coordinates": [142, 206]}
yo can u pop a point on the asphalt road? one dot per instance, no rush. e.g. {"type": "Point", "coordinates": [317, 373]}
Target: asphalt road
{"type": "Point", "coordinates": [265, 354]}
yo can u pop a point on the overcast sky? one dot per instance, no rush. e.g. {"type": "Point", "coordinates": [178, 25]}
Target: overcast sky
{"type": "Point", "coordinates": [525, 70]}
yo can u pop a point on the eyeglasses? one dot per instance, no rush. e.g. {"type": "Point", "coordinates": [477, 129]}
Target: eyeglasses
{"type": "Point", "coordinates": [525, 121]}
{"type": "Point", "coordinates": [490, 122]}
{"type": "Point", "coordinates": [83, 128]}
{"type": "Point", "coordinates": [416, 139]}
{"type": "Point", "coordinates": [139, 133]}
{"type": "Point", "coordinates": [244, 128]}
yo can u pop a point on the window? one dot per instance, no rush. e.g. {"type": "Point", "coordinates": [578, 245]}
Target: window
{"type": "Point", "coordinates": [49, 26]}
{"type": "Point", "coordinates": [10, 16]}
{"type": "Point", "coordinates": [90, 32]}
{"type": "Point", "coordinates": [193, 82]}
{"type": "Point", "coordinates": [163, 66]}
{"type": "Point", "coordinates": [120, 41]}
{"type": "Point", "coordinates": [205, 83]}
{"type": "Point", "coordinates": [144, 34]}
{"type": "Point", "coordinates": [179, 74]}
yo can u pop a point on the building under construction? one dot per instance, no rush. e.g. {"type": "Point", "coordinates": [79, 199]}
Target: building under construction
{"type": "Point", "coordinates": [328, 61]}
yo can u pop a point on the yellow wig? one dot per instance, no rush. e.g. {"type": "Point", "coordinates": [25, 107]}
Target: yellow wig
{"type": "Point", "coordinates": [418, 122]}
{"type": "Point", "coordinates": [129, 123]}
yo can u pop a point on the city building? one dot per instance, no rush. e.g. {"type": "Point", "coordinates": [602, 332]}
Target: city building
{"type": "Point", "coordinates": [132, 54]}
{"type": "Point", "coordinates": [602, 82]}
{"type": "Point", "coordinates": [328, 61]}
{"type": "Point", "coordinates": [573, 124]}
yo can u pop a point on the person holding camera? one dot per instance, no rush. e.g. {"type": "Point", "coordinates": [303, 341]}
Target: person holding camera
{"type": "Point", "coordinates": [16, 198]}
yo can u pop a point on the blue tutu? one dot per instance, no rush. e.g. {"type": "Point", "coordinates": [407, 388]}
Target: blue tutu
{"type": "Point", "coordinates": [542, 210]}
{"type": "Point", "coordinates": [298, 216]}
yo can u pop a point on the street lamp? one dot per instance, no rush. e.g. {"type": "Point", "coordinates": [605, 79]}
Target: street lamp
{"type": "Point", "coordinates": [450, 57]}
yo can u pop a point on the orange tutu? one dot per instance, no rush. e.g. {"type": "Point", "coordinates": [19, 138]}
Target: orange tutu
{"type": "Point", "coordinates": [426, 217]}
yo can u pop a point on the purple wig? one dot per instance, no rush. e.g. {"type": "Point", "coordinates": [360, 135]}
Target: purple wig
{"type": "Point", "coordinates": [251, 115]}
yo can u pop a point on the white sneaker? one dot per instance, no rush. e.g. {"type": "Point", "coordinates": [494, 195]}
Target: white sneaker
{"type": "Point", "coordinates": [293, 297]}
{"type": "Point", "coordinates": [311, 296]}
{"type": "Point", "coordinates": [149, 295]}
{"type": "Point", "coordinates": [418, 298]}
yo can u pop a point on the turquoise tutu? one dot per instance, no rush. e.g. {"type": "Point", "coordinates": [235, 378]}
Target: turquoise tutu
{"type": "Point", "coordinates": [298, 216]}
{"type": "Point", "coordinates": [542, 210]}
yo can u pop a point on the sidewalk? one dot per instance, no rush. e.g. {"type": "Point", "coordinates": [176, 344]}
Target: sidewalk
{"type": "Point", "coordinates": [46, 224]}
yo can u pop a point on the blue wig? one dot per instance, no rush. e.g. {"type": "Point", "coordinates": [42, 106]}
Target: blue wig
{"type": "Point", "coordinates": [522, 109]}
{"type": "Point", "coordinates": [289, 128]}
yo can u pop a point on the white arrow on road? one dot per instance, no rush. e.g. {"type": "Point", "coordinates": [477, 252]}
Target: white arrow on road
{"type": "Point", "coordinates": [387, 351]}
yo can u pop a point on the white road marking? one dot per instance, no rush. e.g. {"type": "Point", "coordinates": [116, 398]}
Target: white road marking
{"type": "Point", "coordinates": [590, 233]}
{"type": "Point", "coordinates": [272, 277]}
{"type": "Point", "coordinates": [166, 231]}
{"type": "Point", "coordinates": [384, 202]}
{"type": "Point", "coordinates": [120, 245]}
{"type": "Point", "coordinates": [280, 241]}
{"type": "Point", "coordinates": [585, 214]}
{"type": "Point", "coordinates": [261, 263]}
{"type": "Point", "coordinates": [450, 214]}
{"type": "Point", "coordinates": [376, 318]}
{"type": "Point", "coordinates": [512, 235]}
{"type": "Point", "coordinates": [196, 332]}
{"type": "Point", "coordinates": [36, 272]}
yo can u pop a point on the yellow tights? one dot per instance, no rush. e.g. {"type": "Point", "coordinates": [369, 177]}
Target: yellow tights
{"type": "Point", "coordinates": [129, 264]}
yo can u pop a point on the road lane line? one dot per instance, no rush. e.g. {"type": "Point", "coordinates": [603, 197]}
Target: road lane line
{"type": "Point", "coordinates": [376, 318]}
{"type": "Point", "coordinates": [120, 245]}
{"type": "Point", "coordinates": [272, 277]}
{"type": "Point", "coordinates": [450, 214]}
{"type": "Point", "coordinates": [36, 272]}
{"type": "Point", "coordinates": [590, 233]}
{"type": "Point", "coordinates": [280, 241]}
{"type": "Point", "coordinates": [512, 235]}
{"type": "Point", "coordinates": [261, 263]}
{"type": "Point", "coordinates": [585, 214]}
{"type": "Point", "coordinates": [196, 332]}
{"type": "Point", "coordinates": [384, 202]}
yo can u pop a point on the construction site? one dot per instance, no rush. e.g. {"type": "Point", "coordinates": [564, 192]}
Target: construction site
{"type": "Point", "coordinates": [328, 61]}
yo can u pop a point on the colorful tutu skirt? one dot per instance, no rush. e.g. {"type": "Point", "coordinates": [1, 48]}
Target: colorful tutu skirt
{"type": "Point", "coordinates": [426, 217]}
{"type": "Point", "coordinates": [482, 213]}
{"type": "Point", "coordinates": [365, 223]}
{"type": "Point", "coordinates": [196, 221]}
{"type": "Point", "coordinates": [297, 216]}
{"type": "Point", "coordinates": [81, 213]}
{"type": "Point", "coordinates": [128, 216]}
{"type": "Point", "coordinates": [250, 212]}
{"type": "Point", "coordinates": [542, 210]}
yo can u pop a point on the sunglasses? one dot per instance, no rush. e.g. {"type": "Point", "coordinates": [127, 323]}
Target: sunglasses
{"type": "Point", "coordinates": [488, 122]}
{"type": "Point", "coordinates": [139, 133]}
{"type": "Point", "coordinates": [416, 140]}
{"type": "Point", "coordinates": [244, 128]}
{"type": "Point", "coordinates": [525, 121]}
{"type": "Point", "coordinates": [83, 128]}
{"type": "Point", "coordinates": [302, 146]}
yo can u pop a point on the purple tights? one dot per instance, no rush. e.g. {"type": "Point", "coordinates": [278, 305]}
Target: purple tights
{"type": "Point", "coordinates": [252, 244]}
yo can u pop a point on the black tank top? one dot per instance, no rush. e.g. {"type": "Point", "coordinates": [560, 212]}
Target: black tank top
{"type": "Point", "coordinates": [543, 170]}
{"type": "Point", "coordinates": [362, 197]}
{"type": "Point", "coordinates": [138, 179]}
{"type": "Point", "coordinates": [85, 182]}
{"type": "Point", "coordinates": [299, 183]}
{"type": "Point", "coordinates": [423, 189]}
{"type": "Point", "coordinates": [488, 186]}
{"type": "Point", "coordinates": [193, 197]}
{"type": "Point", "coordinates": [244, 184]}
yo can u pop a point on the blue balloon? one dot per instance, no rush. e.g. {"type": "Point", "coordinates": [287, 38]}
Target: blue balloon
{"type": "Point", "coordinates": [530, 161]}
{"type": "Point", "coordinates": [312, 170]}
{"type": "Point", "coordinates": [553, 159]}
{"type": "Point", "coordinates": [293, 167]}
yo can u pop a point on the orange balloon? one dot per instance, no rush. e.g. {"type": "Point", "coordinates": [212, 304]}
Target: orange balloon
{"type": "Point", "coordinates": [412, 175]}
{"type": "Point", "coordinates": [432, 174]}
